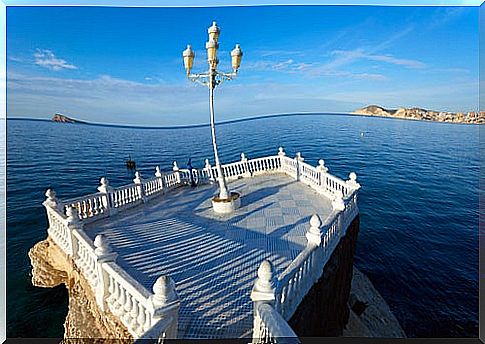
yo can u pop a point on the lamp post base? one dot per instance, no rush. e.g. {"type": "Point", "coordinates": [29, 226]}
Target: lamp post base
{"type": "Point", "coordinates": [226, 206]}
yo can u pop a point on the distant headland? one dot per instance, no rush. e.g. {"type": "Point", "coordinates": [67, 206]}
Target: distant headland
{"type": "Point", "coordinates": [423, 114]}
{"type": "Point", "coordinates": [64, 119]}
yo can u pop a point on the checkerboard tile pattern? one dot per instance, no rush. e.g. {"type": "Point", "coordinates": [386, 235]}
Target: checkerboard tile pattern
{"type": "Point", "coordinates": [214, 258]}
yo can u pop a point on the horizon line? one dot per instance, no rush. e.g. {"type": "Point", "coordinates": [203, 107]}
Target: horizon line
{"type": "Point", "coordinates": [187, 126]}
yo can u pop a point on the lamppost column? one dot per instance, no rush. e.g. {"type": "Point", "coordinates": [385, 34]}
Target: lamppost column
{"type": "Point", "coordinates": [223, 192]}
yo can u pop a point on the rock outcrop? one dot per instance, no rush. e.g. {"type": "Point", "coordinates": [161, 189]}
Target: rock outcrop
{"type": "Point", "coordinates": [64, 119]}
{"type": "Point", "coordinates": [50, 268]}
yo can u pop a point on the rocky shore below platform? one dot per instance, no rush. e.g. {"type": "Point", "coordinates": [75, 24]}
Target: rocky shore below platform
{"type": "Point", "coordinates": [370, 316]}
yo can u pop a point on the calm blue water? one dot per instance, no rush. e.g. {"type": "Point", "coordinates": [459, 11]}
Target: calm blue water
{"type": "Point", "coordinates": [418, 242]}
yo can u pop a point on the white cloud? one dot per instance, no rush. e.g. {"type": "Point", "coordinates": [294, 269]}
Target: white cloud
{"type": "Point", "coordinates": [46, 58]}
{"type": "Point", "coordinates": [347, 56]}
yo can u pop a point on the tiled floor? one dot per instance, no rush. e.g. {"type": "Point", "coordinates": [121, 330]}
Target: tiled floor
{"type": "Point", "coordinates": [212, 258]}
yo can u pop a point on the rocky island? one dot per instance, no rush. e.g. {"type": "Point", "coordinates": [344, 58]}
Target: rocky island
{"type": "Point", "coordinates": [64, 119]}
{"type": "Point", "coordinates": [416, 113]}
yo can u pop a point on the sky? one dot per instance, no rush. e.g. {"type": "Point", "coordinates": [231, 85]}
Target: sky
{"type": "Point", "coordinates": [124, 65]}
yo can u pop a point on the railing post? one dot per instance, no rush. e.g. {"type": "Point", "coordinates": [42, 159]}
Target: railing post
{"type": "Point", "coordinates": [264, 291]}
{"type": "Point", "coordinates": [73, 223]}
{"type": "Point", "coordinates": [159, 175]}
{"type": "Point", "coordinates": [314, 234]}
{"type": "Point", "coordinates": [281, 154]}
{"type": "Point", "coordinates": [176, 169]}
{"type": "Point", "coordinates": [352, 181]}
{"type": "Point", "coordinates": [107, 190]}
{"type": "Point", "coordinates": [51, 199]}
{"type": "Point", "coordinates": [103, 255]}
{"type": "Point", "coordinates": [298, 159]}
{"type": "Point", "coordinates": [139, 186]}
{"type": "Point", "coordinates": [165, 305]}
{"type": "Point", "coordinates": [322, 169]}
{"type": "Point", "coordinates": [208, 168]}
{"type": "Point", "coordinates": [244, 161]}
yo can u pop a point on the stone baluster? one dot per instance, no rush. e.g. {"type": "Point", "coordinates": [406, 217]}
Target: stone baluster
{"type": "Point", "coordinates": [322, 169]}
{"type": "Point", "coordinates": [264, 291]}
{"type": "Point", "coordinates": [176, 169]}
{"type": "Point", "coordinates": [107, 198]}
{"type": "Point", "coordinates": [298, 159]}
{"type": "Point", "coordinates": [159, 175]}
{"type": "Point", "coordinates": [139, 186]}
{"type": "Point", "coordinates": [104, 254]}
{"type": "Point", "coordinates": [165, 305]}
{"type": "Point", "coordinates": [352, 181]}
{"type": "Point", "coordinates": [73, 223]}
{"type": "Point", "coordinates": [244, 161]}
{"type": "Point", "coordinates": [208, 168]}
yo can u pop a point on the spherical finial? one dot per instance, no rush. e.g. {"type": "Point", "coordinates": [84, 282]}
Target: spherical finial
{"type": "Point", "coordinates": [315, 221]}
{"type": "Point", "coordinates": [265, 271]}
{"type": "Point", "coordinates": [353, 176]}
{"type": "Point", "coordinates": [137, 174]}
{"type": "Point", "coordinates": [104, 181]}
{"type": "Point", "coordinates": [163, 290]}
{"type": "Point", "coordinates": [50, 194]}
{"type": "Point", "coordinates": [99, 240]}
{"type": "Point", "coordinates": [175, 166]}
{"type": "Point", "coordinates": [281, 151]}
{"type": "Point", "coordinates": [321, 162]}
{"type": "Point", "coordinates": [101, 244]}
{"type": "Point", "coordinates": [157, 169]}
{"type": "Point", "coordinates": [207, 163]}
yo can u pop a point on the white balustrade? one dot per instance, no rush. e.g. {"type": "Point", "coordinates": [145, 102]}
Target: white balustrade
{"type": "Point", "coordinates": [89, 206]}
{"type": "Point", "coordinates": [144, 314]}
{"type": "Point", "coordinates": [283, 296]}
{"type": "Point", "coordinates": [272, 328]}
{"type": "Point", "coordinates": [58, 229]}
{"type": "Point", "coordinates": [171, 179]}
{"type": "Point", "coordinates": [148, 315]}
{"type": "Point", "coordinates": [85, 258]}
{"type": "Point", "coordinates": [152, 187]}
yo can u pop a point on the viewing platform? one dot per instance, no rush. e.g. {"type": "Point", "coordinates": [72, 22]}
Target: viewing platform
{"type": "Point", "coordinates": [163, 264]}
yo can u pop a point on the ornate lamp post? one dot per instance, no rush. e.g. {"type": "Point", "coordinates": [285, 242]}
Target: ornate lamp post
{"type": "Point", "coordinates": [226, 201]}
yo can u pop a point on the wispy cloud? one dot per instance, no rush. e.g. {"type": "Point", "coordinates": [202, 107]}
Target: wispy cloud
{"type": "Point", "coordinates": [346, 56]}
{"type": "Point", "coordinates": [15, 59]}
{"type": "Point", "coordinates": [123, 101]}
{"type": "Point", "coordinates": [46, 58]}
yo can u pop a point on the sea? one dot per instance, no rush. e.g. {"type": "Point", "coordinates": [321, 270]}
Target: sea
{"type": "Point", "coordinates": [419, 201]}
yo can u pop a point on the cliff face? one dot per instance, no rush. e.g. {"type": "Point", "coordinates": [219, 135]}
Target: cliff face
{"type": "Point", "coordinates": [343, 301]}
{"type": "Point", "coordinates": [50, 268]}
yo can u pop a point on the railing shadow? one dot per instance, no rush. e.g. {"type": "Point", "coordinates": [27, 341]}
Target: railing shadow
{"type": "Point", "coordinates": [213, 260]}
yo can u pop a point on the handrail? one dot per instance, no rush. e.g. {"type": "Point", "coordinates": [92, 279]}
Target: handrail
{"type": "Point", "coordinates": [273, 328]}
